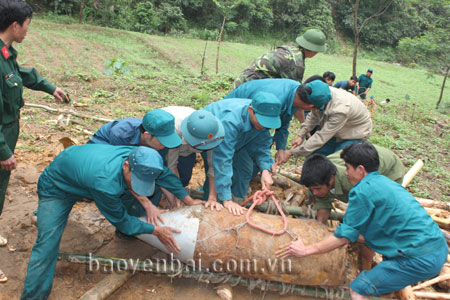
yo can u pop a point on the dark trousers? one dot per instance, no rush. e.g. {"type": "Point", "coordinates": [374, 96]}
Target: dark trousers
{"type": "Point", "coordinates": [11, 134]}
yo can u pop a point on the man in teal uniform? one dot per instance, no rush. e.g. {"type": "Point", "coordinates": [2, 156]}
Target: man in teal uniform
{"type": "Point", "coordinates": [326, 180]}
{"type": "Point", "coordinates": [384, 216]}
{"type": "Point", "coordinates": [156, 130]}
{"type": "Point", "coordinates": [285, 61]}
{"type": "Point", "coordinates": [245, 149]}
{"type": "Point", "coordinates": [14, 21]}
{"type": "Point", "coordinates": [288, 92]}
{"type": "Point", "coordinates": [364, 84]}
{"type": "Point", "coordinates": [117, 178]}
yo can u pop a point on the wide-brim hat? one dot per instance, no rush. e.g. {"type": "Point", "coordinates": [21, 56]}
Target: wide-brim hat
{"type": "Point", "coordinates": [202, 130]}
{"type": "Point", "coordinates": [312, 40]}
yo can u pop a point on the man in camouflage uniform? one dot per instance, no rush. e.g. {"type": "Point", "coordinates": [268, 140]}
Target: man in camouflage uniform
{"type": "Point", "coordinates": [285, 61]}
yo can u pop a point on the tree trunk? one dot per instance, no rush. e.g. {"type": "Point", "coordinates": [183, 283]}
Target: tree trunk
{"type": "Point", "coordinates": [355, 54]}
{"type": "Point", "coordinates": [356, 33]}
{"type": "Point", "coordinates": [81, 12]}
{"type": "Point", "coordinates": [218, 43]}
{"type": "Point", "coordinates": [202, 70]}
{"type": "Point", "coordinates": [442, 88]}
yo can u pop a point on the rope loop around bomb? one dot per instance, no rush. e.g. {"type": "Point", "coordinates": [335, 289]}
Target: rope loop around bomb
{"type": "Point", "coordinates": [258, 198]}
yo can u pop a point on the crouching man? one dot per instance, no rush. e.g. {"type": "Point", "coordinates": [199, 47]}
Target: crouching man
{"type": "Point", "coordinates": [383, 215]}
{"type": "Point", "coordinates": [117, 178]}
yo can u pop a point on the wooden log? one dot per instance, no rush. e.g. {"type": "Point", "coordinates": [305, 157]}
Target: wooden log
{"type": "Point", "coordinates": [431, 281]}
{"type": "Point", "coordinates": [412, 172]}
{"type": "Point", "coordinates": [107, 286]}
{"type": "Point", "coordinates": [428, 295]}
{"type": "Point", "coordinates": [446, 235]}
{"type": "Point", "coordinates": [406, 294]}
{"type": "Point", "coordinates": [445, 272]}
{"type": "Point", "coordinates": [443, 223]}
{"type": "Point", "coordinates": [292, 176]}
{"type": "Point", "coordinates": [436, 212]}
{"type": "Point", "coordinates": [280, 180]}
{"type": "Point", "coordinates": [434, 204]}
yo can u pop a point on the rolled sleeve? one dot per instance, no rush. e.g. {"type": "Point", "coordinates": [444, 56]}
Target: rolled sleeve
{"type": "Point", "coordinates": [346, 231]}
{"type": "Point", "coordinates": [357, 217]}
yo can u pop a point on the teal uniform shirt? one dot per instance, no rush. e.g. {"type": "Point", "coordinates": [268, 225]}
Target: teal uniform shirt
{"type": "Point", "coordinates": [12, 80]}
{"type": "Point", "coordinates": [94, 172]}
{"type": "Point", "coordinates": [392, 222]}
{"type": "Point", "coordinates": [365, 81]}
{"type": "Point", "coordinates": [126, 132]}
{"type": "Point", "coordinates": [87, 171]}
{"type": "Point", "coordinates": [284, 90]}
{"type": "Point", "coordinates": [239, 134]}
{"type": "Point", "coordinates": [390, 166]}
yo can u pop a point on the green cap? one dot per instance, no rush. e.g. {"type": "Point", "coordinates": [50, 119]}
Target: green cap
{"type": "Point", "coordinates": [267, 109]}
{"type": "Point", "coordinates": [312, 40]}
{"type": "Point", "coordinates": [202, 130]}
{"type": "Point", "coordinates": [320, 95]}
{"type": "Point", "coordinates": [161, 124]}
{"type": "Point", "coordinates": [370, 70]}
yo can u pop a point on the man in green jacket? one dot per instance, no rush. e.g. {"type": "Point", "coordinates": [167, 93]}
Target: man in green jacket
{"type": "Point", "coordinates": [285, 61]}
{"type": "Point", "coordinates": [326, 180]}
{"type": "Point", "coordinates": [14, 21]}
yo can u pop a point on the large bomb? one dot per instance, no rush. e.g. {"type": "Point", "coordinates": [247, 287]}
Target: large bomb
{"type": "Point", "coordinates": [218, 241]}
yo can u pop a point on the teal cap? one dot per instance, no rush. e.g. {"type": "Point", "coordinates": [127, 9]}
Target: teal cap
{"type": "Point", "coordinates": [267, 109]}
{"type": "Point", "coordinates": [146, 165]}
{"type": "Point", "coordinates": [202, 130]}
{"type": "Point", "coordinates": [370, 70]}
{"type": "Point", "coordinates": [320, 95]}
{"type": "Point", "coordinates": [161, 124]}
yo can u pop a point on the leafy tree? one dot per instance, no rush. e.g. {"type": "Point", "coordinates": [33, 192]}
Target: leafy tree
{"type": "Point", "coordinates": [170, 17]}
{"type": "Point", "coordinates": [146, 20]}
{"type": "Point", "coordinates": [294, 16]}
{"type": "Point", "coordinates": [432, 50]}
{"type": "Point", "coordinates": [358, 28]}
